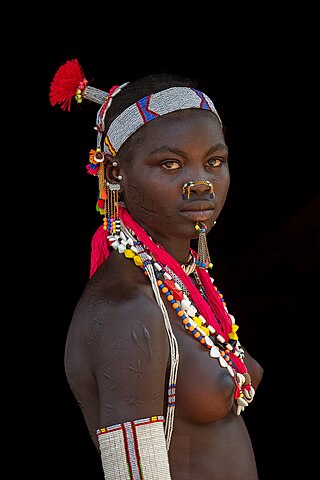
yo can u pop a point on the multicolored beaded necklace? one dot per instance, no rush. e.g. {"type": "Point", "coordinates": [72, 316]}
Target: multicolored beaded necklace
{"type": "Point", "coordinates": [167, 285]}
{"type": "Point", "coordinates": [126, 243]}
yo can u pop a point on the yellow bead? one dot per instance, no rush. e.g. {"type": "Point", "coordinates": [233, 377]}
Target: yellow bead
{"type": "Point", "coordinates": [129, 253]}
{"type": "Point", "coordinates": [137, 260]}
{"type": "Point", "coordinates": [197, 320]}
{"type": "Point", "coordinates": [205, 330]}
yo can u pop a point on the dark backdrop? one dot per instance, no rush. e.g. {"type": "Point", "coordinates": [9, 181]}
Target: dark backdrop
{"type": "Point", "coordinates": [265, 246]}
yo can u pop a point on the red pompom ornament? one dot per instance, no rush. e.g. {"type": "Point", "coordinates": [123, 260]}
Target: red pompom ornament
{"type": "Point", "coordinates": [69, 82]}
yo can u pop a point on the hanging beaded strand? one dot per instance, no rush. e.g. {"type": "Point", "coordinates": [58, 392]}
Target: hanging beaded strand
{"type": "Point", "coordinates": [203, 260]}
{"type": "Point", "coordinates": [127, 244]}
{"type": "Point", "coordinates": [111, 221]}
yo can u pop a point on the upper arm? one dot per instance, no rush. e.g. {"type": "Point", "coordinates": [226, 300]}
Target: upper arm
{"type": "Point", "coordinates": [130, 361]}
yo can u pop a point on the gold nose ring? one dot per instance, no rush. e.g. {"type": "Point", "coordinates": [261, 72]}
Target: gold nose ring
{"type": "Point", "coordinates": [186, 188]}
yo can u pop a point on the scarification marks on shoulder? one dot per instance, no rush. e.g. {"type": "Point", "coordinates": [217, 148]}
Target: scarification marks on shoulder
{"type": "Point", "coordinates": [92, 331]}
{"type": "Point", "coordinates": [94, 324]}
{"type": "Point", "coordinates": [119, 348]}
{"type": "Point", "coordinates": [133, 401]}
{"type": "Point", "coordinates": [141, 336]}
{"type": "Point", "coordinates": [112, 382]}
{"type": "Point", "coordinates": [136, 370]}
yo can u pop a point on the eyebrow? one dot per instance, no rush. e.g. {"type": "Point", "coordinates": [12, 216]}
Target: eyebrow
{"type": "Point", "coordinates": [177, 151]}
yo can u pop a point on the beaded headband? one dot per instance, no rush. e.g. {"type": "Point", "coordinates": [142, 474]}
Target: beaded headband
{"type": "Point", "coordinates": [151, 107]}
{"type": "Point", "coordinates": [69, 81]}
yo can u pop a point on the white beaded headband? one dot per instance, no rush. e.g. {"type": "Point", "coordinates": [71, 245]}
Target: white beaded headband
{"type": "Point", "coordinates": [151, 107]}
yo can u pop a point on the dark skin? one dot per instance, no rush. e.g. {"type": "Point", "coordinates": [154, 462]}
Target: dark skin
{"type": "Point", "coordinates": [117, 352]}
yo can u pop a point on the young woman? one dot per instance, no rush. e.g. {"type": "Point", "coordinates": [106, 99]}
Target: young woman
{"type": "Point", "coordinates": [152, 354]}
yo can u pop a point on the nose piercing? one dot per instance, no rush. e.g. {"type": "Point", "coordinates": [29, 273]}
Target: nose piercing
{"type": "Point", "coordinates": [186, 188]}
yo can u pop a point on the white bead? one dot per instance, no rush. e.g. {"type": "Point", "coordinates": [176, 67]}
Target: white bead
{"type": "Point", "coordinates": [167, 276]}
{"type": "Point", "coordinates": [247, 395]}
{"type": "Point", "coordinates": [121, 248]}
{"type": "Point", "coordinates": [185, 303]}
{"type": "Point", "coordinates": [191, 310]}
{"type": "Point", "coordinates": [241, 379]}
{"type": "Point", "coordinates": [252, 391]}
{"type": "Point", "coordinates": [230, 370]}
{"type": "Point", "coordinates": [214, 352]}
{"type": "Point", "coordinates": [222, 362]}
{"type": "Point", "coordinates": [220, 339]}
{"type": "Point", "coordinates": [115, 244]}
{"type": "Point", "coordinates": [241, 401]}
{"type": "Point", "coordinates": [157, 266]}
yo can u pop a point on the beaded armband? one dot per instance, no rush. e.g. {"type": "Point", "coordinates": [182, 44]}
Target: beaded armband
{"type": "Point", "coordinates": [134, 450]}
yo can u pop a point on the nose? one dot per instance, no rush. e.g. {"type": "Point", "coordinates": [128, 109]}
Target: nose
{"type": "Point", "coordinates": [199, 187]}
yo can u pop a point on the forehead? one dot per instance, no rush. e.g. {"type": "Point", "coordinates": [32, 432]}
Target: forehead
{"type": "Point", "coordinates": [180, 127]}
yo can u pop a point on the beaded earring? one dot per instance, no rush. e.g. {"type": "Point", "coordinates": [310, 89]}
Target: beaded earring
{"type": "Point", "coordinates": [111, 221]}
{"type": "Point", "coordinates": [203, 260]}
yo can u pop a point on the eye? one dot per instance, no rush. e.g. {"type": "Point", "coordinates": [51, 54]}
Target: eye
{"type": "Point", "coordinates": [170, 165]}
{"type": "Point", "coordinates": [215, 162]}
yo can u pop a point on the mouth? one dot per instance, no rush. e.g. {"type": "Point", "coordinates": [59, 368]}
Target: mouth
{"type": "Point", "coordinates": [198, 211]}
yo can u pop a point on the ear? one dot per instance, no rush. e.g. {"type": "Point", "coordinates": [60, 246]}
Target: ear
{"type": "Point", "coordinates": [111, 169]}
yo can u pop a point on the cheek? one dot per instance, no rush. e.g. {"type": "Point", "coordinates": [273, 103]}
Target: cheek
{"type": "Point", "coordinates": [221, 188]}
{"type": "Point", "coordinates": [149, 202]}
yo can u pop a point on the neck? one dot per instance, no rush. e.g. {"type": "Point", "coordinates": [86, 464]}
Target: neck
{"type": "Point", "coordinates": [177, 247]}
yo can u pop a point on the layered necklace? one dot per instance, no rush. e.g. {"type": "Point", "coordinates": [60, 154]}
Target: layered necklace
{"type": "Point", "coordinates": [167, 285]}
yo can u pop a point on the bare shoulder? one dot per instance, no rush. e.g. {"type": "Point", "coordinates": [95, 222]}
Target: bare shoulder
{"type": "Point", "coordinates": [116, 303]}
{"type": "Point", "coordinates": [117, 344]}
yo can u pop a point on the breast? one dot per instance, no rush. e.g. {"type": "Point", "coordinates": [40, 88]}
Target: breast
{"type": "Point", "coordinates": [205, 390]}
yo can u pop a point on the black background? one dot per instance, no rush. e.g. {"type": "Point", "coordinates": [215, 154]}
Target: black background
{"type": "Point", "coordinates": [265, 246]}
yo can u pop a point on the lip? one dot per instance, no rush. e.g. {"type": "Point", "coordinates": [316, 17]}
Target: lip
{"type": "Point", "coordinates": [198, 211]}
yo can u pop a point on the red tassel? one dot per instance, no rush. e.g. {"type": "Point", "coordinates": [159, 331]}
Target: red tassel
{"type": "Point", "coordinates": [67, 80]}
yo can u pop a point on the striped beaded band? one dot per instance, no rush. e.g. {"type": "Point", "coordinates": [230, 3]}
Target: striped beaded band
{"type": "Point", "coordinates": [150, 107]}
{"type": "Point", "coordinates": [134, 450]}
